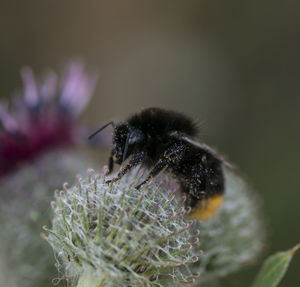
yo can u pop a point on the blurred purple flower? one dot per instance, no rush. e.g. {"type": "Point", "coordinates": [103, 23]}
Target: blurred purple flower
{"type": "Point", "coordinates": [43, 115]}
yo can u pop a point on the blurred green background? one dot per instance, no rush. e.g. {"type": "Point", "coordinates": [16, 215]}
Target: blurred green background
{"type": "Point", "coordinates": [233, 65]}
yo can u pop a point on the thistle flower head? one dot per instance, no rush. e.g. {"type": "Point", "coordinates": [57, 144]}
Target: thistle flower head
{"type": "Point", "coordinates": [116, 235]}
{"type": "Point", "coordinates": [24, 208]}
{"type": "Point", "coordinates": [43, 115]}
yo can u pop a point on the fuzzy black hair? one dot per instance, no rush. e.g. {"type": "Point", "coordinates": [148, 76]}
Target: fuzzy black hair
{"type": "Point", "coordinates": [163, 121]}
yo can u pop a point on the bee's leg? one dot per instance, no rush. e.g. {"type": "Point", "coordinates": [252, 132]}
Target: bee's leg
{"type": "Point", "coordinates": [156, 170]}
{"type": "Point", "coordinates": [134, 161]}
{"type": "Point", "coordinates": [171, 156]}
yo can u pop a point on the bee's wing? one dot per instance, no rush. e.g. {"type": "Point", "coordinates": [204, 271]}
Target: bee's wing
{"type": "Point", "coordinates": [210, 150]}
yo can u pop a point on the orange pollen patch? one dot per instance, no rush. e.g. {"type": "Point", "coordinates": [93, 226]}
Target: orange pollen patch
{"type": "Point", "coordinates": [206, 208]}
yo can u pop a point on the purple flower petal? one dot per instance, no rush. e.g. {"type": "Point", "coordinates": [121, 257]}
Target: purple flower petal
{"type": "Point", "coordinates": [31, 95]}
{"type": "Point", "coordinates": [44, 115]}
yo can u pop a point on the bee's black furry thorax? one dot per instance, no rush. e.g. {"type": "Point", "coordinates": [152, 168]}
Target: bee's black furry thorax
{"type": "Point", "coordinates": [159, 123]}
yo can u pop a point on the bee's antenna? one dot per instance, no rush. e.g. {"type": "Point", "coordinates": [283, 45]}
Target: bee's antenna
{"type": "Point", "coordinates": [102, 128]}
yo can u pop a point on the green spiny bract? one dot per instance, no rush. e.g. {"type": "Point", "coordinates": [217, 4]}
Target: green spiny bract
{"type": "Point", "coordinates": [116, 235]}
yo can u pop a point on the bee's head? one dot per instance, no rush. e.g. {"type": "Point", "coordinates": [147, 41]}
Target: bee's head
{"type": "Point", "coordinates": [119, 142]}
{"type": "Point", "coordinates": [126, 140]}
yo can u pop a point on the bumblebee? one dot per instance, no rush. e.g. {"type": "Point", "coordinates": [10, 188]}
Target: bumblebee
{"type": "Point", "coordinates": [164, 140]}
